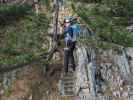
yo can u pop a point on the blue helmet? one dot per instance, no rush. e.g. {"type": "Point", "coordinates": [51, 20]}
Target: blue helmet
{"type": "Point", "coordinates": [67, 18]}
{"type": "Point", "coordinates": [70, 19]}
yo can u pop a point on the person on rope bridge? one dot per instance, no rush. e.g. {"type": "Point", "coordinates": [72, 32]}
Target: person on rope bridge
{"type": "Point", "coordinates": [70, 34]}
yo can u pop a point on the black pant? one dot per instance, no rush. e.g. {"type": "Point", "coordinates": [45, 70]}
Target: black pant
{"type": "Point", "coordinates": [69, 57]}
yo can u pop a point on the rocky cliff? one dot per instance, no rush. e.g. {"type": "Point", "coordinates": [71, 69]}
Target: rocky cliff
{"type": "Point", "coordinates": [107, 76]}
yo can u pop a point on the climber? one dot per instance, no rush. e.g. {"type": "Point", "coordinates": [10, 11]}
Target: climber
{"type": "Point", "coordinates": [70, 34]}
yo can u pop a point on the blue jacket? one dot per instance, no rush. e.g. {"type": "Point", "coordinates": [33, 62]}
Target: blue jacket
{"type": "Point", "coordinates": [76, 31]}
{"type": "Point", "coordinates": [69, 31]}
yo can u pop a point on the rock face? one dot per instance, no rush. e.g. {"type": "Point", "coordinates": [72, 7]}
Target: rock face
{"type": "Point", "coordinates": [85, 82]}
{"type": "Point", "coordinates": [105, 75]}
{"type": "Point", "coordinates": [123, 64]}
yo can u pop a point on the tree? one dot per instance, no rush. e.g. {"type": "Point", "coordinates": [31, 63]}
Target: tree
{"type": "Point", "coordinates": [109, 19]}
{"type": "Point", "coordinates": [23, 36]}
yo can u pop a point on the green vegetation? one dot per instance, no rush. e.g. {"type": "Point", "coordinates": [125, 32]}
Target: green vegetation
{"type": "Point", "coordinates": [108, 19]}
{"type": "Point", "coordinates": [19, 59]}
{"type": "Point", "coordinates": [23, 34]}
{"type": "Point", "coordinates": [9, 13]}
{"type": "Point", "coordinates": [46, 3]}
